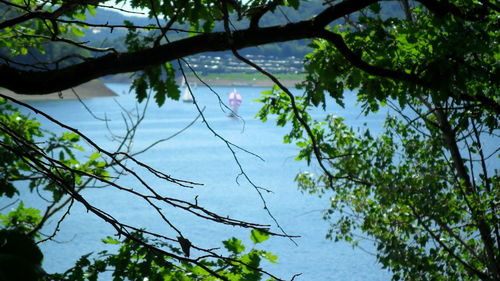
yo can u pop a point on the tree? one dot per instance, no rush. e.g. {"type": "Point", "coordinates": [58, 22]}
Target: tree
{"type": "Point", "coordinates": [50, 166]}
{"type": "Point", "coordinates": [424, 190]}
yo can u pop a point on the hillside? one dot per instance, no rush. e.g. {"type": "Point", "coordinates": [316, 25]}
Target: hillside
{"type": "Point", "coordinates": [116, 37]}
{"type": "Point", "coordinates": [278, 58]}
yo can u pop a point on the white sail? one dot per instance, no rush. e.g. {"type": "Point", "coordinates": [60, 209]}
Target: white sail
{"type": "Point", "coordinates": [186, 95]}
{"type": "Point", "coordinates": [235, 100]}
{"type": "Point", "coordinates": [187, 92]}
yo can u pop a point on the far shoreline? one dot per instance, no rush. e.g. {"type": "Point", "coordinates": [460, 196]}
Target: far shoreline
{"type": "Point", "coordinates": [98, 88]}
{"type": "Point", "coordinates": [242, 83]}
{"type": "Point", "coordinates": [226, 83]}
{"type": "Point", "coordinates": [91, 89]}
{"type": "Point", "coordinates": [223, 80]}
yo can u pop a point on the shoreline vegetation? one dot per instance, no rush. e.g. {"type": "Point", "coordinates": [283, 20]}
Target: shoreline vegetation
{"type": "Point", "coordinates": [224, 79]}
{"type": "Point", "coordinates": [97, 88]}
{"type": "Point", "coordinates": [246, 79]}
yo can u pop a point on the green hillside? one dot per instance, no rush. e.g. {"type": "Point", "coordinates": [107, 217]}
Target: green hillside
{"type": "Point", "coordinates": [101, 36]}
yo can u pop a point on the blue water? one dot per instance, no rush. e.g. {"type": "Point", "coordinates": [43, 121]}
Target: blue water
{"type": "Point", "coordinates": [199, 156]}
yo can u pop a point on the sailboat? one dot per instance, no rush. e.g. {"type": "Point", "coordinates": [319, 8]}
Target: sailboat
{"type": "Point", "coordinates": [186, 94]}
{"type": "Point", "coordinates": [235, 100]}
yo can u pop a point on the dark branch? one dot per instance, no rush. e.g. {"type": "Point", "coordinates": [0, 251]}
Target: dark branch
{"type": "Point", "coordinates": [396, 75]}
{"type": "Point", "coordinates": [442, 8]}
{"type": "Point", "coordinates": [68, 6]}
{"type": "Point", "coordinates": [49, 81]}
{"type": "Point", "coordinates": [45, 82]}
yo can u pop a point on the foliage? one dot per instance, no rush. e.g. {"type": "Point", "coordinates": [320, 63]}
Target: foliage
{"type": "Point", "coordinates": [425, 190]}
{"type": "Point", "coordinates": [138, 256]}
{"type": "Point", "coordinates": [21, 219]}
{"type": "Point", "coordinates": [137, 261]}
{"type": "Point", "coordinates": [19, 134]}
{"type": "Point", "coordinates": [21, 258]}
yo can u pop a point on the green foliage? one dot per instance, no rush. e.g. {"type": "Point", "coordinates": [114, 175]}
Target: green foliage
{"type": "Point", "coordinates": [21, 140]}
{"type": "Point", "coordinates": [21, 219]}
{"type": "Point", "coordinates": [10, 166]}
{"type": "Point", "coordinates": [161, 80]}
{"type": "Point", "coordinates": [234, 246]}
{"type": "Point", "coordinates": [135, 261]}
{"type": "Point", "coordinates": [30, 37]}
{"type": "Point", "coordinates": [422, 190]}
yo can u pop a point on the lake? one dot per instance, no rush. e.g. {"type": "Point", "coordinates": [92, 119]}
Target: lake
{"type": "Point", "coordinates": [197, 155]}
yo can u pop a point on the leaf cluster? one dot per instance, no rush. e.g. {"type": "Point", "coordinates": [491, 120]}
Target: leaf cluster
{"type": "Point", "coordinates": [134, 261]}
{"type": "Point", "coordinates": [423, 190]}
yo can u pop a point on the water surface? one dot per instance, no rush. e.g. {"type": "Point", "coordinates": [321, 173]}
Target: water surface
{"type": "Point", "coordinates": [198, 155]}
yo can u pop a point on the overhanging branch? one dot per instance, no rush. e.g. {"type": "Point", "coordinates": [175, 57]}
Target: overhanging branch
{"type": "Point", "coordinates": [442, 8]}
{"type": "Point", "coordinates": [45, 82]}
{"type": "Point", "coordinates": [30, 82]}
{"type": "Point", "coordinates": [397, 75]}
{"type": "Point", "coordinates": [40, 14]}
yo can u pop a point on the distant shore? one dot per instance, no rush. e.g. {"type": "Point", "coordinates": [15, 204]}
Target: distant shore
{"type": "Point", "coordinates": [97, 88]}
{"type": "Point", "coordinates": [92, 89]}
{"type": "Point", "coordinates": [225, 79]}
{"type": "Point", "coordinates": [242, 83]}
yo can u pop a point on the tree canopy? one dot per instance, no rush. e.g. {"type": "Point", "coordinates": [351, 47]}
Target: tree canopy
{"type": "Point", "coordinates": [425, 190]}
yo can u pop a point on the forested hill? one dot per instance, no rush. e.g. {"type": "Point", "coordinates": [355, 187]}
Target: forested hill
{"type": "Point", "coordinates": [106, 37]}
{"type": "Point", "coordinates": [280, 16]}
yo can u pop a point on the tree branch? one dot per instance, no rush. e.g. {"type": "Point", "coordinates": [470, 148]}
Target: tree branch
{"type": "Point", "coordinates": [441, 8]}
{"type": "Point", "coordinates": [396, 75]}
{"type": "Point", "coordinates": [45, 82]}
{"type": "Point", "coordinates": [449, 138]}
{"type": "Point", "coordinates": [54, 80]}
{"type": "Point", "coordinates": [66, 7]}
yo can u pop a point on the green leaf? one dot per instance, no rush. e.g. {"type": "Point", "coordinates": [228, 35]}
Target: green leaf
{"type": "Point", "coordinates": [270, 257]}
{"type": "Point", "coordinates": [79, 16]}
{"type": "Point", "coordinates": [234, 245]}
{"type": "Point", "coordinates": [110, 240]}
{"type": "Point", "coordinates": [77, 31]}
{"type": "Point", "coordinates": [171, 86]}
{"type": "Point", "coordinates": [94, 156]}
{"type": "Point", "coordinates": [70, 136]}
{"type": "Point", "coordinates": [140, 85]}
{"type": "Point", "coordinates": [375, 8]}
{"type": "Point", "coordinates": [160, 94]}
{"type": "Point", "coordinates": [258, 236]}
